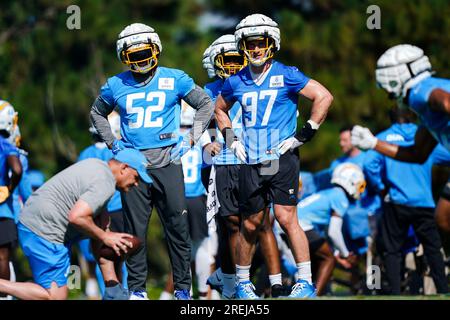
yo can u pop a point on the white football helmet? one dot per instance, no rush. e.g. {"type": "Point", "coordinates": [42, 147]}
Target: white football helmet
{"type": "Point", "coordinates": [225, 57]}
{"type": "Point", "coordinates": [256, 27]}
{"type": "Point", "coordinates": [187, 114]}
{"type": "Point", "coordinates": [114, 122]}
{"type": "Point", "coordinates": [8, 117]}
{"type": "Point", "coordinates": [400, 68]}
{"type": "Point", "coordinates": [350, 177]}
{"type": "Point", "coordinates": [138, 46]}
{"type": "Point", "coordinates": [206, 61]}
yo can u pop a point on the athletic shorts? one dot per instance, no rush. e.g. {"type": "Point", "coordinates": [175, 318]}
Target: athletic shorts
{"type": "Point", "coordinates": [446, 191]}
{"type": "Point", "coordinates": [8, 231]}
{"type": "Point", "coordinates": [275, 181]}
{"type": "Point", "coordinates": [227, 186]}
{"type": "Point", "coordinates": [198, 227]}
{"type": "Point", "coordinates": [49, 262]}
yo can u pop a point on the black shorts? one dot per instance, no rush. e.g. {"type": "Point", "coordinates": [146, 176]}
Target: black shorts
{"type": "Point", "coordinates": [8, 231]}
{"type": "Point", "coordinates": [198, 227]}
{"type": "Point", "coordinates": [446, 191]}
{"type": "Point", "coordinates": [227, 186]}
{"type": "Point", "coordinates": [275, 181]}
{"type": "Point", "coordinates": [315, 241]}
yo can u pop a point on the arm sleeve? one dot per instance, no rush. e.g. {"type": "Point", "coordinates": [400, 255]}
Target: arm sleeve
{"type": "Point", "coordinates": [99, 117]}
{"type": "Point", "coordinates": [199, 100]}
{"type": "Point", "coordinates": [335, 234]}
{"type": "Point", "coordinates": [295, 80]}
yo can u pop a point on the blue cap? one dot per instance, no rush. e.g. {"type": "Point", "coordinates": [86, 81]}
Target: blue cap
{"type": "Point", "coordinates": [136, 160]}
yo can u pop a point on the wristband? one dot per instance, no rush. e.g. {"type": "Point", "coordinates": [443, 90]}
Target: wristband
{"type": "Point", "coordinates": [228, 136]}
{"type": "Point", "coordinates": [307, 131]}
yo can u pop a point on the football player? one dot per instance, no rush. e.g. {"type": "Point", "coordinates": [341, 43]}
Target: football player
{"type": "Point", "coordinates": [10, 175]}
{"type": "Point", "coordinates": [228, 61]}
{"type": "Point", "coordinates": [410, 201]}
{"type": "Point", "coordinates": [405, 73]}
{"type": "Point", "coordinates": [268, 93]}
{"type": "Point", "coordinates": [325, 210]}
{"type": "Point", "coordinates": [148, 98]}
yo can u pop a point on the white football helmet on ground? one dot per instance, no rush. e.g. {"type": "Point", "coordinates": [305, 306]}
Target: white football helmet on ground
{"type": "Point", "coordinates": [138, 46]}
{"type": "Point", "coordinates": [8, 117]}
{"type": "Point", "coordinates": [206, 62]}
{"type": "Point", "coordinates": [225, 57]}
{"type": "Point", "coordinates": [400, 68]}
{"type": "Point", "coordinates": [258, 27]}
{"type": "Point", "coordinates": [350, 177]}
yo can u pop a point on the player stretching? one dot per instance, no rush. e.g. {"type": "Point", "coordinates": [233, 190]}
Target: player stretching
{"type": "Point", "coordinates": [268, 93]}
{"type": "Point", "coordinates": [405, 73]}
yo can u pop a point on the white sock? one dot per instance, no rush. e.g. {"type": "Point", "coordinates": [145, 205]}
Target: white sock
{"type": "Point", "coordinates": [304, 271]}
{"type": "Point", "coordinates": [275, 279]}
{"type": "Point", "coordinates": [229, 281]}
{"type": "Point", "coordinates": [242, 273]}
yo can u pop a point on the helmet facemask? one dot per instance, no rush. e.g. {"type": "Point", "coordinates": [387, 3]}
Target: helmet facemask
{"type": "Point", "coordinates": [254, 55]}
{"type": "Point", "coordinates": [141, 58]}
{"type": "Point", "coordinates": [229, 63]}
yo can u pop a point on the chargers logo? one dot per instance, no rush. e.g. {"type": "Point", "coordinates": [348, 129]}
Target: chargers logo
{"type": "Point", "coordinates": [276, 82]}
{"type": "Point", "coordinates": [166, 83]}
{"type": "Point", "coordinates": [394, 137]}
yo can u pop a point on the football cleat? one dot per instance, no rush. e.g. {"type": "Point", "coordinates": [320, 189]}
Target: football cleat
{"type": "Point", "coordinates": [138, 295]}
{"type": "Point", "coordinates": [182, 295]}
{"type": "Point", "coordinates": [278, 291]}
{"type": "Point", "coordinates": [303, 289]}
{"type": "Point", "coordinates": [246, 290]}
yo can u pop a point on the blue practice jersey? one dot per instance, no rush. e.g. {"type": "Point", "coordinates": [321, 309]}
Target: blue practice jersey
{"type": "Point", "coordinates": [149, 113]}
{"type": "Point", "coordinates": [100, 151]}
{"type": "Point", "coordinates": [269, 110]}
{"type": "Point", "coordinates": [192, 168]}
{"type": "Point", "coordinates": [316, 209]}
{"type": "Point", "coordinates": [24, 189]}
{"type": "Point", "coordinates": [408, 184]}
{"type": "Point", "coordinates": [6, 149]}
{"type": "Point", "coordinates": [436, 122]}
{"type": "Point", "coordinates": [307, 185]}
{"type": "Point", "coordinates": [226, 156]}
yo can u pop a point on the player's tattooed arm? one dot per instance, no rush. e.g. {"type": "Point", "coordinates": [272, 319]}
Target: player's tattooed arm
{"type": "Point", "coordinates": [424, 143]}
{"type": "Point", "coordinates": [200, 101]}
{"type": "Point", "coordinates": [439, 100]}
{"type": "Point", "coordinates": [321, 99]}
{"type": "Point", "coordinates": [99, 117]}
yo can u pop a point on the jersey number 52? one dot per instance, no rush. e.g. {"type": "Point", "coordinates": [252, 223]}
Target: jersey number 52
{"type": "Point", "coordinates": [144, 115]}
